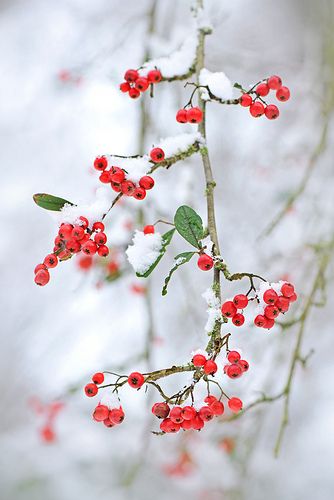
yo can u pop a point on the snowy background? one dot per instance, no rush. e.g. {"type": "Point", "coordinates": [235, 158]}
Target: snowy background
{"type": "Point", "coordinates": [61, 64]}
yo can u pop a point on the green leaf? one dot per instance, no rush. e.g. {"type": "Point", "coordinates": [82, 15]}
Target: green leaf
{"type": "Point", "coordinates": [166, 239]}
{"type": "Point", "coordinates": [237, 86]}
{"type": "Point", "coordinates": [189, 225]}
{"type": "Point", "coordinates": [180, 259]}
{"type": "Point", "coordinates": [50, 202]}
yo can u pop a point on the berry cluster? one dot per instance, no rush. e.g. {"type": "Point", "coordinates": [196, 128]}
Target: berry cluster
{"type": "Point", "coordinates": [209, 365]}
{"type": "Point", "coordinates": [48, 412]}
{"type": "Point", "coordinates": [187, 417]}
{"type": "Point", "coordinates": [109, 416]}
{"type": "Point", "coordinates": [135, 84]}
{"type": "Point", "coordinates": [236, 366]}
{"type": "Point", "coordinates": [191, 115]}
{"type": "Point", "coordinates": [72, 239]}
{"type": "Point", "coordinates": [257, 106]}
{"type": "Point", "coordinates": [230, 309]}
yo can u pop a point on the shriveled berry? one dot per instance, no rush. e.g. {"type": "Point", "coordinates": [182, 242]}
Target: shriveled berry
{"type": "Point", "coordinates": [246, 100]}
{"type": "Point", "coordinates": [91, 390]}
{"type": "Point", "coordinates": [206, 413]}
{"type": "Point", "coordinates": [199, 360]}
{"type": "Point", "coordinates": [233, 356]}
{"type": "Point", "coordinates": [210, 367]}
{"type": "Point", "coordinates": [205, 262]}
{"type": "Point", "coordinates": [98, 378]}
{"type": "Point", "coordinates": [139, 193]}
{"type": "Point", "coordinates": [142, 84]}
{"type": "Point", "coordinates": [131, 75]}
{"type": "Point", "coordinates": [42, 277]}
{"type": "Point", "coordinates": [181, 116]}
{"type": "Point", "coordinates": [238, 319]}
{"type": "Point", "coordinates": [194, 115]}
{"type": "Point", "coordinates": [271, 112]}
{"type": "Point", "coordinates": [146, 182]}
{"type": "Point", "coordinates": [101, 413]}
{"type": "Point", "coordinates": [240, 301]}
{"type": "Point", "coordinates": [262, 89]}
{"type": "Point", "coordinates": [136, 380]}
{"type": "Point", "coordinates": [234, 371]}
{"type": "Point", "coordinates": [128, 188]}
{"type": "Point", "coordinates": [229, 309]}
{"type": "Point", "coordinates": [274, 82]}
{"type": "Point", "coordinates": [283, 94]}
{"type": "Point", "coordinates": [256, 109]}
{"type": "Point", "coordinates": [51, 260]}
{"type": "Point", "coordinates": [160, 410]}
{"type": "Point", "coordinates": [116, 416]}
{"type": "Point", "coordinates": [235, 404]}
{"type": "Point", "coordinates": [270, 296]}
{"type": "Point", "coordinates": [148, 229]}
{"type": "Point", "coordinates": [287, 290]}
{"type": "Point", "coordinates": [154, 76]}
{"type": "Point", "coordinates": [157, 155]}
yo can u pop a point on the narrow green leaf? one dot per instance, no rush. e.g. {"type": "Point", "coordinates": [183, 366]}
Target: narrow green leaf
{"type": "Point", "coordinates": [166, 239]}
{"type": "Point", "coordinates": [50, 202]}
{"type": "Point", "coordinates": [180, 259]}
{"type": "Point", "coordinates": [189, 225]}
{"type": "Point", "coordinates": [237, 86]}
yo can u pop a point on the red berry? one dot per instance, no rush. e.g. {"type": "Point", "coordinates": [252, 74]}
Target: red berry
{"type": "Point", "coordinates": [260, 320]}
{"type": "Point", "coordinates": [118, 177]}
{"type": "Point", "coordinates": [58, 242]}
{"type": "Point", "coordinates": [206, 413]}
{"type": "Point", "coordinates": [271, 312]}
{"type": "Point", "coordinates": [142, 84]}
{"type": "Point", "coordinates": [47, 434]}
{"type": "Point", "coordinates": [107, 423]}
{"type": "Point", "coordinates": [105, 177]}
{"type": "Point", "coordinates": [293, 297]}
{"type": "Point", "coordinates": [139, 193]}
{"type": "Point", "coordinates": [154, 76]}
{"type": "Point", "coordinates": [100, 238]}
{"type": "Point", "coordinates": [148, 230]}
{"type": "Point", "coordinates": [229, 309]}
{"type": "Point", "coordinates": [240, 301]}
{"type": "Point", "coordinates": [188, 413]}
{"type": "Point", "coordinates": [100, 163]}
{"type": "Point", "coordinates": [98, 378]}
{"type": "Point", "coordinates": [176, 415]}
{"type": "Point", "coordinates": [128, 188]}
{"type": "Point", "coordinates": [181, 116]}
{"type": "Point", "coordinates": [186, 424]}
{"type": "Point", "coordinates": [287, 290]}
{"type": "Point", "coordinates": [83, 221]}
{"type": "Point", "coordinates": [194, 115]}
{"type": "Point", "coordinates": [64, 255]}
{"type": "Point", "coordinates": [205, 262]}
{"type": "Point", "coordinates": [210, 367]}
{"type": "Point", "coordinates": [73, 245]}
{"type": "Point", "coordinates": [274, 82]}
{"type": "Point", "coordinates": [238, 319]}
{"type": "Point", "coordinates": [51, 260]}
{"type": "Point", "coordinates": [85, 262]}
{"type": "Point", "coordinates": [131, 75]}
{"type": "Point", "coordinates": [269, 323]}
{"type": "Point", "coordinates": [270, 296]}
{"type": "Point", "coordinates": [233, 356]}
{"type": "Point", "coordinates": [91, 390]}
{"type": "Point", "coordinates": [89, 247]}
{"type": "Point", "coordinates": [271, 112]}
{"type": "Point", "coordinates": [136, 380]}
{"type": "Point", "coordinates": [197, 423]}
{"type": "Point", "coordinates": [39, 267]}
{"type": "Point", "coordinates": [246, 100]}
{"type": "Point", "coordinates": [134, 93]}
{"type": "Point", "coordinates": [42, 277]}
{"type": "Point", "coordinates": [283, 94]}
{"type": "Point", "coordinates": [235, 404]}
{"type": "Point", "coordinates": [167, 425]}
{"type": "Point", "coordinates": [116, 187]}
{"type": "Point", "coordinates": [103, 251]}
{"type": "Point", "coordinates": [262, 89]}
{"type": "Point", "coordinates": [101, 413]}
{"type": "Point", "coordinates": [98, 226]}
{"type": "Point", "coordinates": [116, 416]}
{"type": "Point", "coordinates": [65, 231]}
{"type": "Point", "coordinates": [244, 365]}
{"type": "Point", "coordinates": [157, 155]}
{"type": "Point", "coordinates": [234, 371]}
{"type": "Point", "coordinates": [256, 109]}
{"type": "Point", "coordinates": [78, 232]}
{"type": "Point", "coordinates": [146, 182]}
{"type": "Point", "coordinates": [217, 408]}
{"type": "Point", "coordinates": [160, 410]}
{"type": "Point", "coordinates": [199, 360]}
{"type": "Point", "coordinates": [282, 304]}
{"type": "Point", "coordinates": [124, 87]}
{"type": "Point", "coordinates": [210, 399]}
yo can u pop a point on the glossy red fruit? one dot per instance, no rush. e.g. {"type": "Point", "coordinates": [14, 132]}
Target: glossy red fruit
{"type": "Point", "coordinates": [39, 267]}
{"type": "Point", "coordinates": [181, 116]}
{"type": "Point", "coordinates": [160, 410]}
{"type": "Point", "coordinates": [73, 245]}
{"type": "Point", "coordinates": [210, 367]}
{"type": "Point", "coordinates": [205, 262]}
{"type": "Point", "coordinates": [167, 425]}
{"type": "Point", "coordinates": [271, 112]}
{"type": "Point", "coordinates": [217, 407]}
{"type": "Point", "coordinates": [103, 251]}
{"type": "Point", "coordinates": [262, 89]}
{"type": "Point", "coordinates": [197, 423]}
{"type": "Point", "coordinates": [142, 84]}
{"type": "Point", "coordinates": [274, 82]}
{"type": "Point", "coordinates": [146, 182]}
{"type": "Point", "coordinates": [100, 163]}
{"type": "Point", "coordinates": [269, 323]}
{"type": "Point", "coordinates": [51, 260]}
{"type": "Point", "coordinates": [107, 423]}
{"type": "Point", "coordinates": [148, 229]}
{"type": "Point", "coordinates": [206, 413]}
{"type": "Point", "coordinates": [105, 177]}
{"type": "Point", "coordinates": [157, 155]}
{"type": "Point", "coordinates": [270, 296]}
{"type": "Point", "coordinates": [134, 93]}
{"type": "Point", "coordinates": [128, 188]}
{"type": "Point", "coordinates": [78, 232]}
{"type": "Point", "coordinates": [186, 425]}
{"type": "Point", "coordinates": [124, 87]}
{"type": "Point", "coordinates": [117, 177]}
{"type": "Point", "coordinates": [287, 290]}
{"type": "Point", "coordinates": [260, 320]}
{"type": "Point", "coordinates": [282, 304]}
{"type": "Point", "coordinates": [89, 248]}
{"type": "Point", "coordinates": [283, 94]}
{"type": "Point", "coordinates": [98, 226]}
{"type": "Point", "coordinates": [101, 413]}
{"type": "Point", "coordinates": [246, 100]}
{"type": "Point", "coordinates": [188, 413]}
{"type": "Point", "coordinates": [238, 319]}
{"type": "Point", "coordinates": [116, 187]}
{"type": "Point", "coordinates": [235, 404]}
{"type": "Point", "coordinates": [100, 238]}
{"type": "Point", "coordinates": [229, 309]}
{"type": "Point", "coordinates": [42, 277]}
{"type": "Point", "coordinates": [199, 360]}
{"type": "Point", "coordinates": [98, 378]}
{"type": "Point", "coordinates": [154, 76]}
{"type": "Point", "coordinates": [240, 301]}
{"type": "Point", "coordinates": [91, 390]}
{"type": "Point", "coordinates": [256, 109]}
{"type": "Point", "coordinates": [194, 115]}
{"type": "Point", "coordinates": [233, 356]}
{"type": "Point", "coordinates": [116, 416]}
{"type": "Point", "coordinates": [139, 193]}
{"type": "Point", "coordinates": [234, 371]}
{"type": "Point", "coordinates": [65, 231]}
{"type": "Point", "coordinates": [131, 75]}
{"type": "Point", "coordinates": [176, 415]}
{"type": "Point", "coordinates": [271, 312]}
{"type": "Point", "coordinates": [210, 399]}
{"type": "Point", "coordinates": [244, 364]}
{"type": "Point", "coordinates": [293, 297]}
{"type": "Point", "coordinates": [136, 380]}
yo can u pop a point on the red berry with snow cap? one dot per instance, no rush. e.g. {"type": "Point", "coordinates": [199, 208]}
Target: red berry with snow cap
{"type": "Point", "coordinates": [98, 226]}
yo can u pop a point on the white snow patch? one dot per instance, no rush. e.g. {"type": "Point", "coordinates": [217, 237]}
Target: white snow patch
{"type": "Point", "coordinates": [214, 310]}
{"type": "Point", "coordinates": [179, 143]}
{"type": "Point", "coordinates": [92, 211]}
{"type": "Point", "coordinates": [218, 83]}
{"type": "Point", "coordinates": [135, 167]}
{"type": "Point", "coordinates": [144, 251]}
